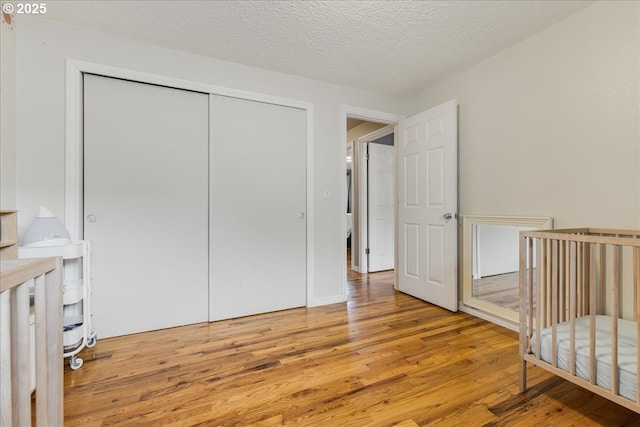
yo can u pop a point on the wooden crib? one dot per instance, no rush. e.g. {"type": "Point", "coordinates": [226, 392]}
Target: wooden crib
{"type": "Point", "coordinates": [16, 278]}
{"type": "Point", "coordinates": [579, 305]}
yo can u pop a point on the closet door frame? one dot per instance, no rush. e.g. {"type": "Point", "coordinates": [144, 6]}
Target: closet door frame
{"type": "Point", "coordinates": [74, 141]}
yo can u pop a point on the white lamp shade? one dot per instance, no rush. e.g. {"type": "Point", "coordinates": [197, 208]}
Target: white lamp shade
{"type": "Point", "coordinates": [45, 230]}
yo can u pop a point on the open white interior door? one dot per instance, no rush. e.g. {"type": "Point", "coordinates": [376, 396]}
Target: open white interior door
{"type": "Point", "coordinates": [427, 233]}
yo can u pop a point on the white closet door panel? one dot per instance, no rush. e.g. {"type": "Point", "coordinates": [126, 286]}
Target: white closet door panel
{"type": "Point", "coordinates": [146, 183]}
{"type": "Point", "coordinates": [258, 199]}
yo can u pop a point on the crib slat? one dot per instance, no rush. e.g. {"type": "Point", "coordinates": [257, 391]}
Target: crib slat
{"type": "Point", "coordinates": [567, 280]}
{"type": "Point", "coordinates": [531, 283]}
{"type": "Point", "coordinates": [54, 414]}
{"type": "Point", "coordinates": [579, 277]}
{"type": "Point", "coordinates": [5, 359]}
{"type": "Point", "coordinates": [636, 291]}
{"type": "Point", "coordinates": [614, 287]}
{"type": "Point", "coordinates": [523, 329]}
{"type": "Point", "coordinates": [20, 362]}
{"type": "Point", "coordinates": [572, 309]}
{"type": "Point", "coordinates": [554, 303]}
{"type": "Point", "coordinates": [542, 286]}
{"type": "Point", "coordinates": [542, 261]}
{"type": "Point", "coordinates": [561, 280]}
{"type": "Point", "coordinates": [587, 273]}
{"type": "Point", "coordinates": [592, 322]}
{"type": "Point", "coordinates": [602, 281]}
{"type": "Point", "coordinates": [560, 295]}
{"type": "Point", "coordinates": [41, 350]}
{"type": "Point", "coordinates": [547, 303]}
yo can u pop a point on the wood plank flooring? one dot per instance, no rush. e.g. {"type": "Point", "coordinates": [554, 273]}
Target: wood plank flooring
{"type": "Point", "coordinates": [381, 359]}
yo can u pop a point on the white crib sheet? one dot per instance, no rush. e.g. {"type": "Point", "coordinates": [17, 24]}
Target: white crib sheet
{"type": "Point", "coordinates": [627, 351]}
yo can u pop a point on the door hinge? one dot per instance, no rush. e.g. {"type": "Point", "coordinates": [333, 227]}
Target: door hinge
{"type": "Point", "coordinates": [366, 157]}
{"type": "Point", "coordinates": [366, 251]}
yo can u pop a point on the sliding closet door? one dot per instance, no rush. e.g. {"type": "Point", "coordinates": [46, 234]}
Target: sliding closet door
{"type": "Point", "coordinates": [258, 199]}
{"type": "Point", "coordinates": [146, 204]}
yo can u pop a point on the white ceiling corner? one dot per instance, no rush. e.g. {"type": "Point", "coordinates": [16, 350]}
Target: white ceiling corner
{"type": "Point", "coordinates": [393, 47]}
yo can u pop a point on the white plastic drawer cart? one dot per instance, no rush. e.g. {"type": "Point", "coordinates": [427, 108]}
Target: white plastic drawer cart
{"type": "Point", "coordinates": [77, 319]}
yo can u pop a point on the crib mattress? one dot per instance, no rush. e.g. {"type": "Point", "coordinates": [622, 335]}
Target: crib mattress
{"type": "Point", "coordinates": [627, 351]}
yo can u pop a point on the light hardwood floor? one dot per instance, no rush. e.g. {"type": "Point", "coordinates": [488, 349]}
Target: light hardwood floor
{"type": "Point", "coordinates": [381, 359]}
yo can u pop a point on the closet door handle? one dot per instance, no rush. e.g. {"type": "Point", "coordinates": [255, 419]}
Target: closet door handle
{"type": "Point", "coordinates": [301, 215]}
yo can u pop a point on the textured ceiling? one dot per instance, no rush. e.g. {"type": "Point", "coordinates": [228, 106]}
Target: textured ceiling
{"type": "Point", "coordinates": [393, 47]}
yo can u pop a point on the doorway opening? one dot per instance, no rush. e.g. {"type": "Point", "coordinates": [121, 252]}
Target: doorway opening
{"type": "Point", "coordinates": [359, 134]}
{"type": "Point", "coordinates": [357, 122]}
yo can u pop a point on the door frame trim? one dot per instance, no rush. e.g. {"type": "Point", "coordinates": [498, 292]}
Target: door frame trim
{"type": "Point", "coordinates": [349, 111]}
{"type": "Point", "coordinates": [74, 142]}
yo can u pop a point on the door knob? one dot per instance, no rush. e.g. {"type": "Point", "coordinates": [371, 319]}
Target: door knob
{"type": "Point", "coordinates": [449, 215]}
{"type": "Point", "coordinates": [92, 218]}
{"type": "Point", "coordinates": [301, 215]}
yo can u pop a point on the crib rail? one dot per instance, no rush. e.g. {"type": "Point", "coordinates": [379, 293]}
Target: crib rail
{"type": "Point", "coordinates": [569, 274]}
{"type": "Point", "coordinates": [16, 277]}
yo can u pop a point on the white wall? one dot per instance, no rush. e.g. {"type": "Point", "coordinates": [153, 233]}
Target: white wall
{"type": "Point", "coordinates": [550, 127]}
{"type": "Point", "coordinates": [7, 112]}
{"type": "Point", "coordinates": [43, 47]}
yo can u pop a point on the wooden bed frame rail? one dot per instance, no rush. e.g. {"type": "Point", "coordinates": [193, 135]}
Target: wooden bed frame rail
{"type": "Point", "coordinates": [16, 277]}
{"type": "Point", "coordinates": [577, 272]}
